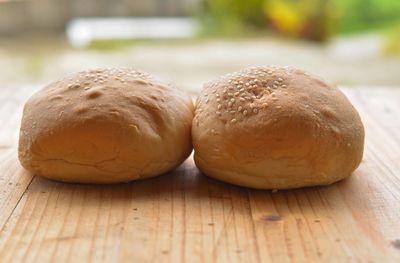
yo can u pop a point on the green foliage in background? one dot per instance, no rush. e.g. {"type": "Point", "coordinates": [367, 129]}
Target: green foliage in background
{"type": "Point", "coordinates": [360, 15]}
{"type": "Point", "coordinates": [231, 17]}
{"type": "Point", "coordinates": [392, 43]}
{"type": "Point", "coordinates": [311, 19]}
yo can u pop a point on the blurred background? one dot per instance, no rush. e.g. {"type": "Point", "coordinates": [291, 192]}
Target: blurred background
{"type": "Point", "coordinates": [347, 42]}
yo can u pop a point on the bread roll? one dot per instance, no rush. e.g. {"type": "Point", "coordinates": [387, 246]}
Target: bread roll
{"type": "Point", "coordinates": [276, 128]}
{"type": "Point", "coordinates": [106, 126]}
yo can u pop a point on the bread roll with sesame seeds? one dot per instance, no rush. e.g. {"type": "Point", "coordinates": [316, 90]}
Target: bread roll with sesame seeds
{"type": "Point", "coordinates": [106, 126]}
{"type": "Point", "coordinates": [276, 128]}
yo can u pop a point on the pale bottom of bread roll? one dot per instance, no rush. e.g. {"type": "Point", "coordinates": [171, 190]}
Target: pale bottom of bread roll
{"type": "Point", "coordinates": [259, 176]}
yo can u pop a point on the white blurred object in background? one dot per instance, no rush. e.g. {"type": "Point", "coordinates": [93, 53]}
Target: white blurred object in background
{"type": "Point", "coordinates": [82, 31]}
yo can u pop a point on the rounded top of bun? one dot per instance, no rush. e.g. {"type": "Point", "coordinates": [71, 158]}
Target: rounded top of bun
{"type": "Point", "coordinates": [277, 113]}
{"type": "Point", "coordinates": [120, 123]}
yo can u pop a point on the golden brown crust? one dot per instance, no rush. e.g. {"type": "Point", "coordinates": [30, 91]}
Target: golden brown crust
{"type": "Point", "coordinates": [105, 125]}
{"type": "Point", "coordinates": [271, 127]}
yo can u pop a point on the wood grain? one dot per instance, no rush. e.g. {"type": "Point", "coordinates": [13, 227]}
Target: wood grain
{"type": "Point", "coordinates": [13, 183]}
{"type": "Point", "coordinates": [186, 217]}
{"type": "Point", "coordinates": [13, 179]}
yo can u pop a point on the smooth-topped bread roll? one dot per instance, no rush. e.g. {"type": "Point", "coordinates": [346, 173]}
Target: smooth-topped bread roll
{"type": "Point", "coordinates": [276, 128]}
{"type": "Point", "coordinates": [106, 126]}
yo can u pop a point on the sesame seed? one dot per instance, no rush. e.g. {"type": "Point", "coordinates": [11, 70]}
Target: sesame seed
{"type": "Point", "coordinates": [240, 108]}
{"type": "Point", "coordinates": [233, 120]}
{"type": "Point", "coordinates": [219, 106]}
{"type": "Point", "coordinates": [218, 100]}
{"type": "Point", "coordinates": [218, 112]}
{"type": "Point", "coordinates": [245, 112]}
{"type": "Point", "coordinates": [232, 100]}
{"type": "Point", "coordinates": [242, 99]}
{"type": "Point", "coordinates": [229, 104]}
{"type": "Point", "coordinates": [255, 110]}
{"type": "Point", "coordinates": [232, 111]}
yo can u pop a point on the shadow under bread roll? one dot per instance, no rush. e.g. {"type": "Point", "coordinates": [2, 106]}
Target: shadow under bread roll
{"type": "Point", "coordinates": [106, 126]}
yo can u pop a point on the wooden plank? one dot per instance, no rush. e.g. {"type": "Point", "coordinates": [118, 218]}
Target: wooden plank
{"type": "Point", "coordinates": [186, 217]}
{"type": "Point", "coordinates": [380, 110]}
{"type": "Point", "coordinates": [13, 183]}
{"type": "Point", "coordinates": [13, 179]}
{"type": "Point", "coordinates": [166, 217]}
{"type": "Point", "coordinates": [311, 224]}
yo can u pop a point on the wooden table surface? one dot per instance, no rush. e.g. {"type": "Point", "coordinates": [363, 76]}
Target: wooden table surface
{"type": "Point", "coordinates": [185, 217]}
